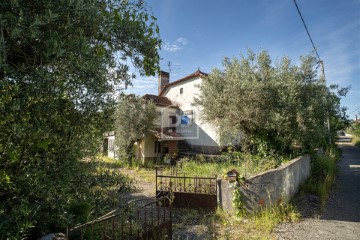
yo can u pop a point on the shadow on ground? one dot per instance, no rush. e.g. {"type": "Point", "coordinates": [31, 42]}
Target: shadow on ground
{"type": "Point", "coordinates": [344, 201]}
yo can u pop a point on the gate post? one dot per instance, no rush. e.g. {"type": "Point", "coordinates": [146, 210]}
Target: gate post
{"type": "Point", "coordinates": [170, 209]}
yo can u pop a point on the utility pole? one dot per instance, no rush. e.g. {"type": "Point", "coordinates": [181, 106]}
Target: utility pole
{"type": "Point", "coordinates": [323, 81]}
{"type": "Point", "coordinates": [326, 120]}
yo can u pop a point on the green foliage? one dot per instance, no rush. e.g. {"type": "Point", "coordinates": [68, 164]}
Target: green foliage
{"type": "Point", "coordinates": [134, 118]}
{"type": "Point", "coordinates": [356, 141]}
{"type": "Point", "coordinates": [354, 129]}
{"type": "Point", "coordinates": [323, 173]}
{"type": "Point", "coordinates": [192, 168]}
{"type": "Point", "coordinates": [246, 164]}
{"type": "Point", "coordinates": [268, 107]}
{"type": "Point", "coordinates": [61, 62]}
{"type": "Point", "coordinates": [267, 219]}
{"type": "Point", "coordinates": [238, 201]}
{"type": "Point", "coordinates": [49, 201]}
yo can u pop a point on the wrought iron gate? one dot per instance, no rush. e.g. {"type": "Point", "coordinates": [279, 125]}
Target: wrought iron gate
{"type": "Point", "coordinates": [151, 220]}
{"type": "Point", "coordinates": [189, 192]}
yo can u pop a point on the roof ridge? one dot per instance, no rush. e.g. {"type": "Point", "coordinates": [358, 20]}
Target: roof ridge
{"type": "Point", "coordinates": [197, 73]}
{"type": "Point", "coordinates": [158, 100]}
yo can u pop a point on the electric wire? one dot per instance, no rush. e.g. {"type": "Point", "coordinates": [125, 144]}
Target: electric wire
{"type": "Point", "coordinates": [354, 110]}
{"type": "Point", "coordinates": [303, 21]}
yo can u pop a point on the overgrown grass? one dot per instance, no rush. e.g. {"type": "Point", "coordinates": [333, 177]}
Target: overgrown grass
{"type": "Point", "coordinates": [192, 168]}
{"type": "Point", "coordinates": [246, 164]}
{"type": "Point", "coordinates": [267, 219]}
{"type": "Point", "coordinates": [222, 225]}
{"type": "Point", "coordinates": [199, 165]}
{"type": "Point", "coordinates": [356, 140]}
{"type": "Point", "coordinates": [354, 130]}
{"type": "Point", "coordinates": [145, 173]}
{"type": "Point", "coordinates": [323, 173]}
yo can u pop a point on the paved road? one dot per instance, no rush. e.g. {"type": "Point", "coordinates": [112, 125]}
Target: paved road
{"type": "Point", "coordinates": [341, 217]}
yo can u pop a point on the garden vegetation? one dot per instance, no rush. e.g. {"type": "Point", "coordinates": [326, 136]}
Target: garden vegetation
{"type": "Point", "coordinates": [61, 64]}
{"type": "Point", "coordinates": [260, 105]}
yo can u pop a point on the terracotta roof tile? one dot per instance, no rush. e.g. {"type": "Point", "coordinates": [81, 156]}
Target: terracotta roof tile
{"type": "Point", "coordinates": [166, 135]}
{"type": "Point", "coordinates": [158, 100]}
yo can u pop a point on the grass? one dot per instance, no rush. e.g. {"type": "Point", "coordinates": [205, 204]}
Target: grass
{"type": "Point", "coordinates": [356, 140]}
{"type": "Point", "coordinates": [323, 173]}
{"type": "Point", "coordinates": [192, 168]}
{"type": "Point", "coordinates": [246, 164]}
{"type": "Point", "coordinates": [268, 219]}
{"type": "Point", "coordinates": [354, 130]}
{"type": "Point", "coordinates": [222, 225]}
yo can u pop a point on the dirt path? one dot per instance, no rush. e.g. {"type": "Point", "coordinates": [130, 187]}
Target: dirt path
{"type": "Point", "coordinates": [187, 224]}
{"type": "Point", "coordinates": [341, 217]}
{"type": "Point", "coordinates": [144, 183]}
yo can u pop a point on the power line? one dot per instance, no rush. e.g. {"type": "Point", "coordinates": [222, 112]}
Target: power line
{"type": "Point", "coordinates": [327, 125]}
{"type": "Point", "coordinates": [303, 21]}
{"type": "Point", "coordinates": [354, 110]}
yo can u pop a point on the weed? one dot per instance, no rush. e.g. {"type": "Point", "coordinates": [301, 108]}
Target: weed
{"type": "Point", "coordinates": [323, 173]}
{"type": "Point", "coordinates": [267, 219]}
{"type": "Point", "coordinates": [356, 141]}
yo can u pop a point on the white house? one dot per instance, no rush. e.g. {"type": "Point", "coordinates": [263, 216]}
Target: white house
{"type": "Point", "coordinates": [179, 127]}
{"type": "Point", "coordinates": [203, 136]}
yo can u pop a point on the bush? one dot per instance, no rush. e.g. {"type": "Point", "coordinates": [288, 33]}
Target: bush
{"type": "Point", "coordinates": [50, 197]}
{"type": "Point", "coordinates": [323, 173]}
{"type": "Point", "coordinates": [355, 131]}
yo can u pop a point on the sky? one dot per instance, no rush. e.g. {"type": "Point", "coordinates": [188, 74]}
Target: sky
{"type": "Point", "coordinates": [198, 34]}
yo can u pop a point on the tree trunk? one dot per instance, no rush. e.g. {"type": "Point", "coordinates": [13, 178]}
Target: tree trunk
{"type": "Point", "coordinates": [129, 153]}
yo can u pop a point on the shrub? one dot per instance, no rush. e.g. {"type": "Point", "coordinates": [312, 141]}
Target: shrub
{"type": "Point", "coordinates": [323, 173]}
{"type": "Point", "coordinates": [48, 198]}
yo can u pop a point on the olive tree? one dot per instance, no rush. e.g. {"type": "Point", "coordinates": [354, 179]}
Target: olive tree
{"type": "Point", "coordinates": [134, 118]}
{"type": "Point", "coordinates": [273, 106]}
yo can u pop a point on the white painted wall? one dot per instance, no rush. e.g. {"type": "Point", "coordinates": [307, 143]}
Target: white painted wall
{"type": "Point", "coordinates": [111, 147]}
{"type": "Point", "coordinates": [207, 133]}
{"type": "Point", "coordinates": [163, 119]}
{"type": "Point", "coordinates": [149, 147]}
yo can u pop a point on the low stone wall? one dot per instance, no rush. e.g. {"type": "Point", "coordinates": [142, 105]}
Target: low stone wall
{"type": "Point", "coordinates": [268, 188]}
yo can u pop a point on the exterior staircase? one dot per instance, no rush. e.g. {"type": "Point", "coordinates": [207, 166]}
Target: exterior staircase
{"type": "Point", "coordinates": [184, 149]}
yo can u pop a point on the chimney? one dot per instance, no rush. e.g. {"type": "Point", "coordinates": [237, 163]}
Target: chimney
{"type": "Point", "coordinates": [164, 78]}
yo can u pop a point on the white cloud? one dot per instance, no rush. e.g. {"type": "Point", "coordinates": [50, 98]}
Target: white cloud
{"type": "Point", "coordinates": [144, 83]}
{"type": "Point", "coordinates": [183, 41]}
{"type": "Point", "coordinates": [176, 45]}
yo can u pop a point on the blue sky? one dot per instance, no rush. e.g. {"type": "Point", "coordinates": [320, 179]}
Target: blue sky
{"type": "Point", "coordinates": [200, 33]}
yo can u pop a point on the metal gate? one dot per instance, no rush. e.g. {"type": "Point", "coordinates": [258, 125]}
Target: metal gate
{"type": "Point", "coordinates": [188, 192]}
{"type": "Point", "coordinates": [141, 219]}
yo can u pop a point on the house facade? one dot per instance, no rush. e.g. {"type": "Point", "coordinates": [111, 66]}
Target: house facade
{"type": "Point", "coordinates": [179, 128]}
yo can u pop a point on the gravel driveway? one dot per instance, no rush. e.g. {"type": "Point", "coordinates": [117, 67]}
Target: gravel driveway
{"type": "Point", "coordinates": [341, 216]}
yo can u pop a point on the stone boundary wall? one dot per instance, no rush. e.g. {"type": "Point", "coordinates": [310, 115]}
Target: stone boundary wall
{"type": "Point", "coordinates": [267, 188]}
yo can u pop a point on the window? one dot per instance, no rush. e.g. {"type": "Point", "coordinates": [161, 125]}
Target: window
{"type": "Point", "coordinates": [181, 90]}
{"type": "Point", "coordinates": [172, 119]}
{"type": "Point", "coordinates": [157, 147]}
